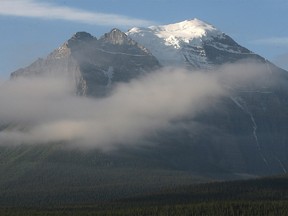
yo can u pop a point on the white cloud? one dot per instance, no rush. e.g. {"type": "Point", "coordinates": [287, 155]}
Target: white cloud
{"type": "Point", "coordinates": [43, 110]}
{"type": "Point", "coordinates": [47, 111]}
{"type": "Point", "coordinates": [273, 41]}
{"type": "Point", "coordinates": [34, 9]}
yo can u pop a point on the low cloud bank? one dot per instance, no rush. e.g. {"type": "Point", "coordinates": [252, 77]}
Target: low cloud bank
{"type": "Point", "coordinates": [44, 110]}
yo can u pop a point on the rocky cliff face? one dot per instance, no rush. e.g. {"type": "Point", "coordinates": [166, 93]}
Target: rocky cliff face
{"type": "Point", "coordinates": [94, 65]}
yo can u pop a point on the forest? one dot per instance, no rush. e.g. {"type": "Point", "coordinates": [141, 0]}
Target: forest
{"type": "Point", "coordinates": [263, 196]}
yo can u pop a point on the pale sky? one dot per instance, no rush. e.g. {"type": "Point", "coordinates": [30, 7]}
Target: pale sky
{"type": "Point", "coordinates": [33, 28]}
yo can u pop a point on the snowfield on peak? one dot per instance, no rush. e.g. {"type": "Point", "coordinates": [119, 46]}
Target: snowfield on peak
{"type": "Point", "coordinates": [190, 43]}
{"type": "Point", "coordinates": [167, 42]}
{"type": "Point", "coordinates": [185, 31]}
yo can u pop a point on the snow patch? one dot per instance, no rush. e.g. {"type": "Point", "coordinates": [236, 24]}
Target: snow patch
{"type": "Point", "coordinates": [109, 73]}
{"type": "Point", "coordinates": [186, 31]}
{"type": "Point", "coordinates": [171, 43]}
{"type": "Point", "coordinates": [281, 165]}
{"type": "Point", "coordinates": [243, 106]}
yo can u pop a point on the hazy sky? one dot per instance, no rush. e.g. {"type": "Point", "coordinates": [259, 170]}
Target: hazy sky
{"type": "Point", "coordinates": [33, 28]}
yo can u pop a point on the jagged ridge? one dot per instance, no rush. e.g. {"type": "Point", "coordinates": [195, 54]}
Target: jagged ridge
{"type": "Point", "coordinates": [94, 64]}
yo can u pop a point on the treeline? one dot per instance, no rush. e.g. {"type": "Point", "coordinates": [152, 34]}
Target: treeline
{"type": "Point", "coordinates": [267, 196]}
{"type": "Point", "coordinates": [214, 208]}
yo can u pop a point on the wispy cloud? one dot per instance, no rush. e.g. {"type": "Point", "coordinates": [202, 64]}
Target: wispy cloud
{"type": "Point", "coordinates": [273, 41]}
{"type": "Point", "coordinates": [34, 9]}
{"type": "Point", "coordinates": [44, 109]}
{"type": "Point", "coordinates": [49, 112]}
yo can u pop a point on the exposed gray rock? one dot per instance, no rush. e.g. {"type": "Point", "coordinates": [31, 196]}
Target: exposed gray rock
{"type": "Point", "coordinates": [94, 65]}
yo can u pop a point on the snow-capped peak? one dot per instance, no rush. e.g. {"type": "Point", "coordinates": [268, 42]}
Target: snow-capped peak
{"type": "Point", "coordinates": [186, 30]}
{"type": "Point", "coordinates": [166, 42]}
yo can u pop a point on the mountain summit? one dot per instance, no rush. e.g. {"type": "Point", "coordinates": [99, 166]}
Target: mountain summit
{"type": "Point", "coordinates": [193, 43]}
{"type": "Point", "coordinates": [94, 64]}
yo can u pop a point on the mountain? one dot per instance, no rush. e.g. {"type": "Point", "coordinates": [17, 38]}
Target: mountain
{"type": "Point", "coordinates": [94, 64]}
{"type": "Point", "coordinates": [237, 134]}
{"type": "Point", "coordinates": [191, 43]}
{"type": "Point", "coordinates": [243, 134]}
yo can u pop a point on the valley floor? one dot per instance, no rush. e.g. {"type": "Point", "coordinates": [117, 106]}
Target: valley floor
{"type": "Point", "coordinates": [267, 196]}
